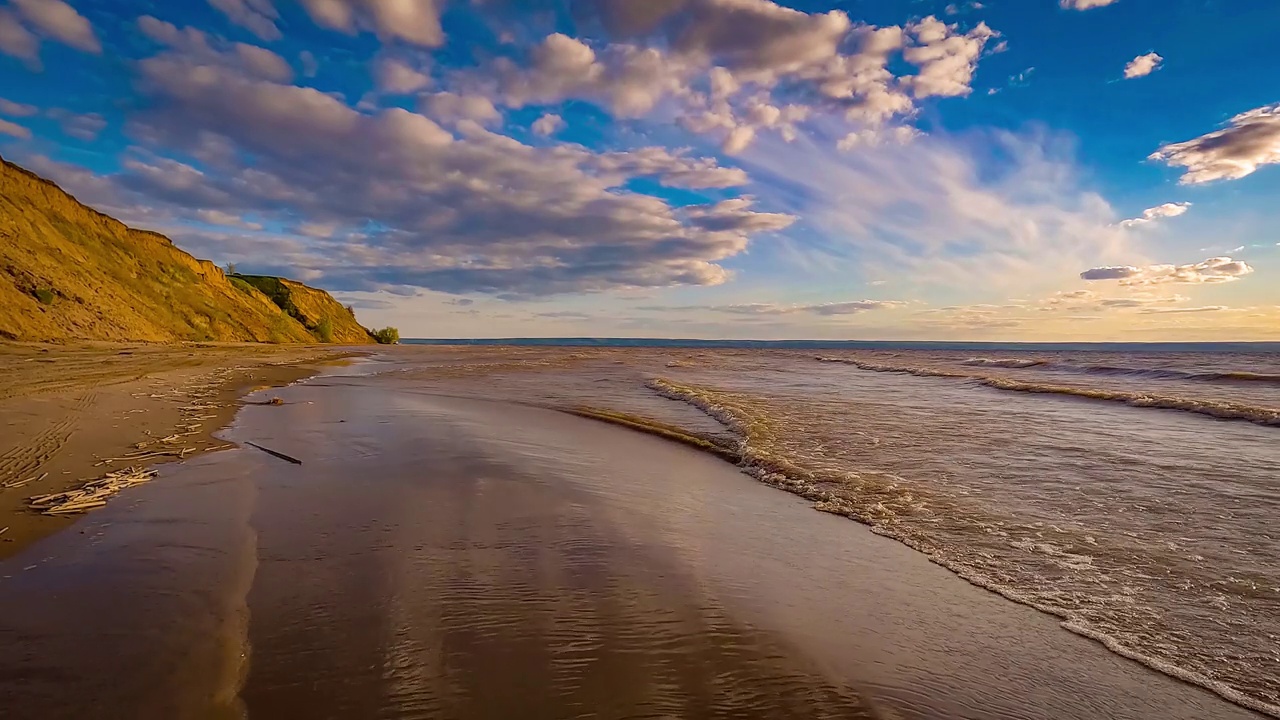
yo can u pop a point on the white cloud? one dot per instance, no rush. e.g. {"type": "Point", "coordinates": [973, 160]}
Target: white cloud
{"type": "Point", "coordinates": [60, 21]}
{"type": "Point", "coordinates": [673, 169]}
{"type": "Point", "coordinates": [1085, 4]}
{"type": "Point", "coordinates": [196, 47]}
{"type": "Point", "coordinates": [84, 127]}
{"type": "Point", "coordinates": [946, 58]}
{"type": "Point", "coordinates": [719, 62]}
{"type": "Point", "coordinates": [1167, 210]}
{"type": "Point", "coordinates": [14, 130]}
{"type": "Point", "coordinates": [759, 36]}
{"type": "Point", "coordinates": [928, 215]}
{"type": "Point", "coordinates": [399, 78]}
{"type": "Point", "coordinates": [416, 205]}
{"type": "Point", "coordinates": [873, 137]}
{"type": "Point", "coordinates": [263, 63]}
{"type": "Point", "coordinates": [548, 125]}
{"type": "Point", "coordinates": [257, 16]}
{"type": "Point", "coordinates": [1143, 65]}
{"type": "Point", "coordinates": [451, 108]}
{"type": "Point", "coordinates": [738, 139]}
{"type": "Point", "coordinates": [13, 109]}
{"type": "Point", "coordinates": [15, 40]}
{"type": "Point", "coordinates": [1166, 311]}
{"type": "Point", "coordinates": [1211, 271]}
{"type": "Point", "coordinates": [413, 21]}
{"type": "Point", "coordinates": [831, 309]}
{"type": "Point", "coordinates": [219, 217]}
{"type": "Point", "coordinates": [1250, 141]}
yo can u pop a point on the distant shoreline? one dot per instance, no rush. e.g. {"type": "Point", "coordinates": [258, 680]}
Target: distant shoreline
{"type": "Point", "coordinates": [1262, 346]}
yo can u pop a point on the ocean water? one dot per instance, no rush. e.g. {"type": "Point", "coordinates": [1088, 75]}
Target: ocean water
{"type": "Point", "coordinates": [1130, 491]}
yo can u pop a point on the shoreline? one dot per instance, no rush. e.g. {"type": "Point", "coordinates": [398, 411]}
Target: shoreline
{"type": "Point", "coordinates": [73, 413]}
{"type": "Point", "coordinates": [457, 516]}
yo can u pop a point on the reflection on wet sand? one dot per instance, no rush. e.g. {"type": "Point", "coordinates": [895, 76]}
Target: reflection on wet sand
{"type": "Point", "coordinates": [467, 588]}
{"type": "Point", "coordinates": [445, 558]}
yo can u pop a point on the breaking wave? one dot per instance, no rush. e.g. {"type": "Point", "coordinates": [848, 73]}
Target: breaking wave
{"type": "Point", "coordinates": [1221, 409]}
{"type": "Point", "coordinates": [1122, 371]}
{"type": "Point", "coordinates": [1004, 362]}
{"type": "Point", "coordinates": [886, 508]}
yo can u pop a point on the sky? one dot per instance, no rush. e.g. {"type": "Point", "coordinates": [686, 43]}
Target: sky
{"type": "Point", "coordinates": [827, 169]}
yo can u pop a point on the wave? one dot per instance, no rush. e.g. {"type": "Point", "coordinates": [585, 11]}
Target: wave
{"type": "Point", "coordinates": [1004, 362]}
{"type": "Point", "coordinates": [1122, 371]}
{"type": "Point", "coordinates": [1221, 409]}
{"type": "Point", "coordinates": [866, 505]}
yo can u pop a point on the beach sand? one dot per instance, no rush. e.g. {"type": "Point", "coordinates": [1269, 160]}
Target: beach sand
{"type": "Point", "coordinates": [449, 558]}
{"type": "Point", "coordinates": [66, 408]}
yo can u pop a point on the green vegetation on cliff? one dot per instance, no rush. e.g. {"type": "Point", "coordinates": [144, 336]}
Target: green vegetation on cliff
{"type": "Point", "coordinates": [316, 310]}
{"type": "Point", "coordinates": [68, 272]}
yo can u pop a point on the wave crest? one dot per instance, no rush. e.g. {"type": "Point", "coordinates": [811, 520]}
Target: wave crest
{"type": "Point", "coordinates": [1221, 409]}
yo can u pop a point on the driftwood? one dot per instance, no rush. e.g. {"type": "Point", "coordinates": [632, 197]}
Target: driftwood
{"type": "Point", "coordinates": [20, 483]}
{"type": "Point", "coordinates": [280, 455]}
{"type": "Point", "coordinates": [93, 494]}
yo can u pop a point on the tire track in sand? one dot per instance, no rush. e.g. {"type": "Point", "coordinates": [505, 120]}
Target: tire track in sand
{"type": "Point", "coordinates": [25, 460]}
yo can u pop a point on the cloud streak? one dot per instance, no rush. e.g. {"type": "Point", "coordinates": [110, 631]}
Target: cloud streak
{"type": "Point", "coordinates": [1167, 210]}
{"type": "Point", "coordinates": [1250, 141]}
{"type": "Point", "coordinates": [1212, 271]}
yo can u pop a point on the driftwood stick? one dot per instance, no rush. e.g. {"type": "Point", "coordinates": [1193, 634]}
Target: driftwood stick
{"type": "Point", "coordinates": [282, 456]}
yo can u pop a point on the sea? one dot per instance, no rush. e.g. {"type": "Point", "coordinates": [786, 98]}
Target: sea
{"type": "Point", "coordinates": [1132, 491]}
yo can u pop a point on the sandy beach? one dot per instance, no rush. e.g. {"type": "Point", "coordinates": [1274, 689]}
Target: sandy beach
{"type": "Point", "coordinates": [439, 556]}
{"type": "Point", "coordinates": [67, 409]}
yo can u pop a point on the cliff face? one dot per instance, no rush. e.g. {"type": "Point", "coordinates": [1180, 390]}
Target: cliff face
{"type": "Point", "coordinates": [316, 309]}
{"type": "Point", "coordinates": [68, 272]}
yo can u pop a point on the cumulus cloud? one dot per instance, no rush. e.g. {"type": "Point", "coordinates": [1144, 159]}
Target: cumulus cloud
{"type": "Point", "coordinates": [60, 21]}
{"type": "Point", "coordinates": [399, 78]}
{"type": "Point", "coordinates": [1085, 4]}
{"type": "Point", "coordinates": [1211, 271]}
{"type": "Point", "coordinates": [415, 21]}
{"type": "Point", "coordinates": [735, 216]}
{"type": "Point", "coordinates": [257, 16]}
{"type": "Point", "coordinates": [417, 205]}
{"type": "Point", "coordinates": [263, 63]}
{"type": "Point", "coordinates": [1143, 65]}
{"type": "Point", "coordinates": [946, 58]}
{"type": "Point", "coordinates": [451, 108]}
{"type": "Point", "coordinates": [14, 130]}
{"type": "Point", "coordinates": [1167, 210]}
{"type": "Point", "coordinates": [1251, 140]}
{"type": "Point", "coordinates": [720, 62]}
{"type": "Point", "coordinates": [197, 48]}
{"type": "Point", "coordinates": [759, 36]}
{"type": "Point", "coordinates": [547, 125]}
{"type": "Point", "coordinates": [673, 169]}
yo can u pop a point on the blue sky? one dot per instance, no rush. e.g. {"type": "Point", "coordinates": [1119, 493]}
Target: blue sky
{"type": "Point", "coordinates": [1005, 169]}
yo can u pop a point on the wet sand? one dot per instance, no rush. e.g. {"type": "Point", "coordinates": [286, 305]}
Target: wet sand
{"type": "Point", "coordinates": [66, 408]}
{"type": "Point", "coordinates": [446, 558]}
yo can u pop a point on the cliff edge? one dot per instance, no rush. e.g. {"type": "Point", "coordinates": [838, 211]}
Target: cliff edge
{"type": "Point", "coordinates": [68, 272]}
